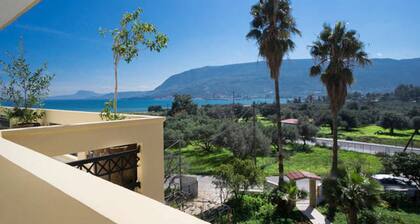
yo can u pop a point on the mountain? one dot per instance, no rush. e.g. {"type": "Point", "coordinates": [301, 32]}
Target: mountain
{"type": "Point", "coordinates": [251, 80]}
{"type": "Point", "coordinates": [79, 95]}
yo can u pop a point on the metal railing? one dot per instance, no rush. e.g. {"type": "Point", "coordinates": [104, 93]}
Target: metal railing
{"type": "Point", "coordinates": [107, 165]}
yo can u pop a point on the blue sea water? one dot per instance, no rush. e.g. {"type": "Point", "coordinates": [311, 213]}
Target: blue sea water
{"type": "Point", "coordinates": [137, 105]}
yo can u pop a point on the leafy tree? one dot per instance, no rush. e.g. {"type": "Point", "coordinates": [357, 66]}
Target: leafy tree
{"type": "Point", "coordinates": [155, 108]}
{"type": "Point", "coordinates": [415, 124]}
{"type": "Point", "coordinates": [324, 119]}
{"type": "Point", "coordinates": [239, 138]}
{"type": "Point", "coordinates": [336, 52]}
{"type": "Point", "coordinates": [393, 121]}
{"type": "Point", "coordinates": [307, 131]}
{"type": "Point", "coordinates": [290, 134]}
{"type": "Point", "coordinates": [179, 128]}
{"type": "Point", "coordinates": [404, 164]}
{"type": "Point", "coordinates": [272, 27]}
{"type": "Point", "coordinates": [348, 119]}
{"type": "Point", "coordinates": [240, 111]}
{"type": "Point", "coordinates": [204, 132]}
{"type": "Point", "coordinates": [127, 40]}
{"type": "Point", "coordinates": [353, 105]}
{"type": "Point", "coordinates": [24, 88]}
{"type": "Point", "coordinates": [407, 92]}
{"type": "Point", "coordinates": [266, 109]}
{"type": "Point", "coordinates": [413, 112]}
{"type": "Point", "coordinates": [183, 103]}
{"type": "Point", "coordinates": [238, 176]}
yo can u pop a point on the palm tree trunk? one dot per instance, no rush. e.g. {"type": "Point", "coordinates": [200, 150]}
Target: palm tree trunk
{"type": "Point", "coordinates": [352, 217]}
{"type": "Point", "coordinates": [115, 84]}
{"type": "Point", "coordinates": [279, 134]}
{"type": "Point", "coordinates": [334, 166]}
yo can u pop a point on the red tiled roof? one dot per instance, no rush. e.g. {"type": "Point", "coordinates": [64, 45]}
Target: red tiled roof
{"type": "Point", "coordinates": [298, 175]}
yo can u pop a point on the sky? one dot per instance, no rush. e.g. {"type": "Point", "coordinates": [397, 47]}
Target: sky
{"type": "Point", "coordinates": [64, 34]}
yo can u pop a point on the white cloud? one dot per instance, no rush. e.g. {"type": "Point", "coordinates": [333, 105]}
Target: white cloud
{"type": "Point", "coordinates": [55, 32]}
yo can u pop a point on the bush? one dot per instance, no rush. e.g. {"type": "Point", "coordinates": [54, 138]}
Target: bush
{"type": "Point", "coordinates": [375, 217]}
{"type": "Point", "coordinates": [395, 199]}
{"type": "Point", "coordinates": [301, 148]}
{"type": "Point", "coordinates": [251, 209]}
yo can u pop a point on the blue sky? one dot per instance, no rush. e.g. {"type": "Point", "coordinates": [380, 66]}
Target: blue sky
{"type": "Point", "coordinates": [201, 32]}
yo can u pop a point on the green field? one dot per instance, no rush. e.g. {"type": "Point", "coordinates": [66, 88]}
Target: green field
{"type": "Point", "coordinates": [318, 161]}
{"type": "Point", "coordinates": [374, 134]}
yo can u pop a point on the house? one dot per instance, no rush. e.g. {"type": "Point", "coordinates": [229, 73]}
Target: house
{"type": "Point", "coordinates": [36, 188]}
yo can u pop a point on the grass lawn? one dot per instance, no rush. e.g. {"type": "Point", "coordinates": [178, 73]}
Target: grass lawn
{"type": "Point", "coordinates": [318, 160]}
{"type": "Point", "coordinates": [374, 134]}
{"type": "Point", "coordinates": [200, 162]}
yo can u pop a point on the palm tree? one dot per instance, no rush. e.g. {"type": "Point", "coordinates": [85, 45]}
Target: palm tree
{"type": "Point", "coordinates": [272, 27]}
{"type": "Point", "coordinates": [357, 193]}
{"type": "Point", "coordinates": [336, 52]}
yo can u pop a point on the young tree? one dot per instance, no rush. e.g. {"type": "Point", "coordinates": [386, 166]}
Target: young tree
{"type": "Point", "coordinates": [393, 121]}
{"type": "Point", "coordinates": [24, 88]}
{"type": "Point", "coordinates": [272, 27]}
{"type": "Point", "coordinates": [336, 52]}
{"type": "Point", "coordinates": [127, 40]}
{"type": "Point", "coordinates": [238, 176]}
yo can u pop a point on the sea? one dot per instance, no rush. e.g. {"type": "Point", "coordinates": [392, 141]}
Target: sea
{"type": "Point", "coordinates": [137, 105]}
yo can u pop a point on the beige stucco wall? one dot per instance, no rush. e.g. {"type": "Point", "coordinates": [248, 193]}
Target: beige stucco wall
{"type": "Point", "coordinates": [25, 153]}
{"type": "Point", "coordinates": [72, 138]}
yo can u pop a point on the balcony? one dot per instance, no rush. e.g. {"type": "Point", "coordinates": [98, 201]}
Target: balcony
{"type": "Point", "coordinates": [36, 188]}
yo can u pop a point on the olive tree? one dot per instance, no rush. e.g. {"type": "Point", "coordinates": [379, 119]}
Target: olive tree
{"type": "Point", "coordinates": [24, 88]}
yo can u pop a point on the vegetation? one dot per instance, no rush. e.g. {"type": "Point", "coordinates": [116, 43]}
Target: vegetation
{"type": "Point", "coordinates": [237, 177]}
{"type": "Point", "coordinates": [373, 134]}
{"type": "Point", "coordinates": [183, 104]}
{"type": "Point", "coordinates": [353, 193]}
{"type": "Point", "coordinates": [336, 52]}
{"type": "Point", "coordinates": [393, 121]}
{"type": "Point", "coordinates": [382, 215]}
{"type": "Point", "coordinates": [24, 88]}
{"type": "Point", "coordinates": [404, 164]}
{"type": "Point", "coordinates": [127, 38]}
{"type": "Point", "coordinates": [316, 160]}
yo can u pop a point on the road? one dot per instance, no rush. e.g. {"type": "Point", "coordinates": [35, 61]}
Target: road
{"type": "Point", "coordinates": [365, 147]}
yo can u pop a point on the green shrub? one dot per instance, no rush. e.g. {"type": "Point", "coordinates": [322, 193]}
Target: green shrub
{"type": "Point", "coordinates": [395, 199]}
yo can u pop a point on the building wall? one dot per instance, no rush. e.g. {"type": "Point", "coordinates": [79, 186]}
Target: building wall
{"type": "Point", "coordinates": [38, 189]}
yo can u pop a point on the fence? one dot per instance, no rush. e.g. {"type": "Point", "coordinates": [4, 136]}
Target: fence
{"type": "Point", "coordinates": [364, 147]}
